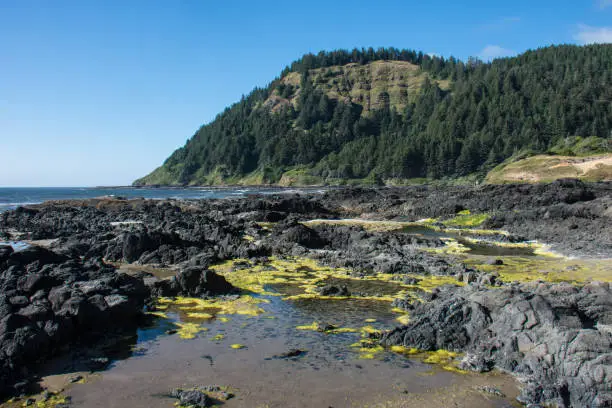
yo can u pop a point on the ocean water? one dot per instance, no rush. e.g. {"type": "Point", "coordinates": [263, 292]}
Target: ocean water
{"type": "Point", "coordinates": [12, 197]}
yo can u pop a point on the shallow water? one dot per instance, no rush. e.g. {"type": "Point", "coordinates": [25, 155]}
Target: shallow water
{"type": "Point", "coordinates": [491, 249]}
{"type": "Point", "coordinates": [331, 372]}
{"type": "Point", "coordinates": [475, 247]}
{"type": "Point", "coordinates": [17, 245]}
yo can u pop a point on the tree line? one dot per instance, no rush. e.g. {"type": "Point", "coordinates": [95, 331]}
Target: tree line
{"type": "Point", "coordinates": [491, 112]}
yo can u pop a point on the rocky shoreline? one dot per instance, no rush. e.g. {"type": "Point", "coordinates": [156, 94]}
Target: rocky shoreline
{"type": "Point", "coordinates": [555, 336]}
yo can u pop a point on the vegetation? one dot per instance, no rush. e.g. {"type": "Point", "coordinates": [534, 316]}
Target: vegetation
{"type": "Point", "coordinates": [545, 168]}
{"type": "Point", "coordinates": [466, 219]}
{"type": "Point", "coordinates": [376, 115]}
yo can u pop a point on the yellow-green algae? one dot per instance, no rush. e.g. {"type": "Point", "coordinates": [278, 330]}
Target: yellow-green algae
{"type": "Point", "coordinates": [366, 330]}
{"type": "Point", "coordinates": [50, 401]}
{"type": "Point", "coordinates": [404, 319]}
{"type": "Point", "coordinates": [306, 275]}
{"type": "Point", "coordinates": [218, 337]}
{"type": "Point", "coordinates": [445, 359]}
{"type": "Point", "coordinates": [53, 401]}
{"type": "Point", "coordinates": [315, 326]}
{"type": "Point", "coordinates": [548, 268]}
{"type": "Point", "coordinates": [206, 308]}
{"type": "Point", "coordinates": [302, 271]}
{"type": "Point", "coordinates": [188, 331]}
{"type": "Point", "coordinates": [464, 222]}
{"type": "Point", "coordinates": [369, 353]}
{"type": "Point", "coordinates": [467, 219]}
{"type": "Point", "coordinates": [451, 247]}
{"type": "Point", "coordinates": [158, 314]}
{"type": "Point", "coordinates": [43, 400]}
{"type": "Point", "coordinates": [265, 225]}
{"type": "Point", "coordinates": [368, 225]}
{"type": "Point", "coordinates": [200, 315]}
{"type": "Point", "coordinates": [367, 347]}
{"type": "Point", "coordinates": [238, 346]}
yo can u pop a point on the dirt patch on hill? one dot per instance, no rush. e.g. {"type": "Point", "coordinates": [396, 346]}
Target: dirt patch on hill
{"type": "Point", "coordinates": [548, 168]}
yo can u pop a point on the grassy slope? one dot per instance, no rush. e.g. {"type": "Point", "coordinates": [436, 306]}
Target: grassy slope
{"type": "Point", "coordinates": [545, 168]}
{"type": "Point", "coordinates": [365, 85]}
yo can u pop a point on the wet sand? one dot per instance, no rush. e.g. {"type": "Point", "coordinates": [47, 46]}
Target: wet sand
{"type": "Point", "coordinates": [330, 373]}
{"type": "Point", "coordinates": [325, 376]}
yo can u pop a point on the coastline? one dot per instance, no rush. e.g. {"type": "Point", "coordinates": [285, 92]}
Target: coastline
{"type": "Point", "coordinates": [409, 253]}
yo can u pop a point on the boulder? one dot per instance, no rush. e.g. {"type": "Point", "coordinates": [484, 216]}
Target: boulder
{"type": "Point", "coordinates": [548, 334]}
{"type": "Point", "coordinates": [333, 290]}
{"type": "Point", "coordinates": [5, 252]}
{"type": "Point", "coordinates": [35, 254]}
{"type": "Point", "coordinates": [197, 281]}
{"type": "Point", "coordinates": [302, 235]}
{"type": "Point", "coordinates": [192, 398]}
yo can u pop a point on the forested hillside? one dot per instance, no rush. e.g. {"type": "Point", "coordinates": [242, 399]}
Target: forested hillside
{"type": "Point", "coordinates": [375, 115]}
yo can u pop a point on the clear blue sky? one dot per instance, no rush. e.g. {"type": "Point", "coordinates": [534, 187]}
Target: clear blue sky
{"type": "Point", "coordinates": [101, 92]}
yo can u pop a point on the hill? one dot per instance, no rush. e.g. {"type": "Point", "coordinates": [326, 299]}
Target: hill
{"type": "Point", "coordinates": [589, 159]}
{"type": "Point", "coordinates": [388, 115]}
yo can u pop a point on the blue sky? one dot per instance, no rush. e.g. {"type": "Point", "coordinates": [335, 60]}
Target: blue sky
{"type": "Point", "coordinates": [101, 92]}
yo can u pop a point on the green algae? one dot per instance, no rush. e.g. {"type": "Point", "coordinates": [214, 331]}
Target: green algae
{"type": "Point", "coordinates": [445, 359]}
{"type": "Point", "coordinates": [327, 329]}
{"type": "Point", "coordinates": [205, 309]}
{"type": "Point", "coordinates": [266, 225]}
{"type": "Point", "coordinates": [248, 238]}
{"type": "Point", "coordinates": [238, 346]}
{"type": "Point", "coordinates": [368, 225]}
{"type": "Point", "coordinates": [547, 268]}
{"type": "Point", "coordinates": [253, 278]}
{"type": "Point", "coordinates": [369, 353]}
{"type": "Point", "coordinates": [200, 315]}
{"type": "Point", "coordinates": [451, 247]}
{"type": "Point", "coordinates": [367, 330]}
{"type": "Point", "coordinates": [298, 280]}
{"type": "Point", "coordinates": [53, 401]}
{"type": "Point", "coordinates": [467, 219]}
{"type": "Point", "coordinates": [303, 276]}
{"type": "Point", "coordinates": [48, 400]}
{"type": "Point", "coordinates": [158, 314]}
{"type": "Point", "coordinates": [189, 331]}
{"type": "Point", "coordinates": [367, 347]}
{"type": "Point", "coordinates": [404, 319]}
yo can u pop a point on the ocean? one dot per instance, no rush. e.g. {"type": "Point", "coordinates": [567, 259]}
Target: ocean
{"type": "Point", "coordinates": [12, 197]}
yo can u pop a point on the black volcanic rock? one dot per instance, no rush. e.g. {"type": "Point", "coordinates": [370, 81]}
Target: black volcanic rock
{"type": "Point", "coordinates": [556, 337]}
{"type": "Point", "coordinates": [198, 281]}
{"type": "Point", "coordinates": [52, 305]}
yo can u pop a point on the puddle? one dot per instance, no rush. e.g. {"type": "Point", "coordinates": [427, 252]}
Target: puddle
{"type": "Point", "coordinates": [423, 230]}
{"type": "Point", "coordinates": [544, 268]}
{"type": "Point", "coordinates": [17, 245]}
{"type": "Point", "coordinates": [496, 249]}
{"type": "Point", "coordinates": [237, 343]}
{"type": "Point", "coordinates": [476, 241]}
